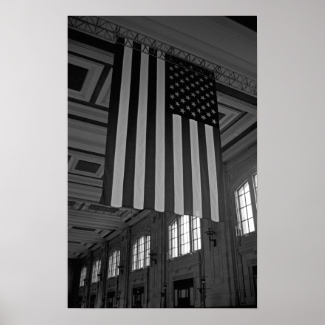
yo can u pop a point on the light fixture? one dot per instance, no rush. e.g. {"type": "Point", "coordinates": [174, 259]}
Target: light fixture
{"type": "Point", "coordinates": [121, 268]}
{"type": "Point", "coordinates": [153, 256]}
{"type": "Point", "coordinates": [210, 233]}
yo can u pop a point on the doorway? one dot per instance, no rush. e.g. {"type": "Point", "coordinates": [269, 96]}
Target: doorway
{"type": "Point", "coordinates": [184, 293]}
{"type": "Point", "coordinates": [110, 299]}
{"type": "Point", "coordinates": [137, 297]}
{"type": "Point", "coordinates": [92, 301]}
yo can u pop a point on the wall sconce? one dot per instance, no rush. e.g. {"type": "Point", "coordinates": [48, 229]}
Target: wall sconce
{"type": "Point", "coordinates": [153, 256]}
{"type": "Point", "coordinates": [210, 233]}
{"type": "Point", "coordinates": [121, 268]}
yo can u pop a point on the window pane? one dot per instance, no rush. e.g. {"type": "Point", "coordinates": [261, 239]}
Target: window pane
{"type": "Point", "coordinates": [248, 198]}
{"type": "Point", "coordinates": [184, 234]}
{"type": "Point", "coordinates": [147, 256]}
{"type": "Point", "coordinates": [249, 212]}
{"type": "Point", "coordinates": [141, 253]}
{"type": "Point", "coordinates": [135, 257]}
{"type": "Point", "coordinates": [243, 214]}
{"type": "Point", "coordinates": [245, 227]}
{"type": "Point", "coordinates": [242, 202]}
{"type": "Point", "coordinates": [196, 233]}
{"type": "Point", "coordinates": [251, 225]}
{"type": "Point", "coordinates": [173, 240]}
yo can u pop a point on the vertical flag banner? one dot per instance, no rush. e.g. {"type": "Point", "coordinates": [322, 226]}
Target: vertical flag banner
{"type": "Point", "coordinates": [163, 140]}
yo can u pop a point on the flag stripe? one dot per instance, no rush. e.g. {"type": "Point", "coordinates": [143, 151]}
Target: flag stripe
{"type": "Point", "coordinates": [129, 171]}
{"type": "Point", "coordinates": [212, 168]}
{"type": "Point", "coordinates": [149, 197]}
{"type": "Point", "coordinates": [160, 139]}
{"type": "Point", "coordinates": [178, 164]}
{"type": "Point", "coordinates": [141, 135]}
{"type": "Point", "coordinates": [205, 187]}
{"type": "Point", "coordinates": [187, 168]}
{"type": "Point", "coordinates": [218, 157]}
{"type": "Point", "coordinates": [196, 175]}
{"type": "Point", "coordinates": [122, 123]}
{"type": "Point", "coordinates": [112, 125]}
{"type": "Point", "coordinates": [169, 161]}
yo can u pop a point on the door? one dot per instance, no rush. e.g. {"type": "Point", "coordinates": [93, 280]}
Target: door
{"type": "Point", "coordinates": [137, 297]}
{"type": "Point", "coordinates": [110, 299]}
{"type": "Point", "coordinates": [184, 293]}
{"type": "Point", "coordinates": [92, 301]}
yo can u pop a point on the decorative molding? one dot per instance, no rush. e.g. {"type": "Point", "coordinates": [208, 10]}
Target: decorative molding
{"type": "Point", "coordinates": [93, 74]}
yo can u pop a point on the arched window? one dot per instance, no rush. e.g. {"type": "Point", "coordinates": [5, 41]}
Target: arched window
{"type": "Point", "coordinates": [244, 207]}
{"type": "Point", "coordinates": [83, 276]}
{"type": "Point", "coordinates": [184, 236]}
{"type": "Point", "coordinates": [140, 253]}
{"type": "Point", "coordinates": [113, 264]}
{"type": "Point", "coordinates": [96, 270]}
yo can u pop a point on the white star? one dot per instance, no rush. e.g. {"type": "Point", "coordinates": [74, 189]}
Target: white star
{"type": "Point", "coordinates": [192, 76]}
{"type": "Point", "coordinates": [177, 103]}
{"type": "Point", "coordinates": [203, 117]}
{"type": "Point", "coordinates": [207, 95]}
{"type": "Point", "coordinates": [187, 79]}
{"type": "Point", "coordinates": [182, 100]}
{"type": "Point", "coordinates": [182, 81]}
{"type": "Point", "coordinates": [199, 110]}
{"type": "Point", "coordinates": [171, 77]}
{"type": "Point", "coordinates": [187, 87]}
{"type": "Point", "coordinates": [171, 106]}
{"type": "Point", "coordinates": [171, 68]}
{"type": "Point", "coordinates": [193, 104]}
{"type": "Point", "coordinates": [188, 108]}
{"type": "Point", "coordinates": [193, 95]}
{"type": "Point", "coordinates": [208, 114]}
{"type": "Point", "coordinates": [202, 88]}
{"type": "Point", "coordinates": [176, 74]}
{"type": "Point", "coordinates": [182, 110]}
{"type": "Point", "coordinates": [197, 82]}
{"type": "Point", "coordinates": [201, 79]}
{"type": "Point", "coordinates": [213, 111]}
{"type": "Point", "coordinates": [208, 104]}
{"type": "Point", "coordinates": [177, 84]}
{"type": "Point", "coordinates": [177, 94]}
{"type": "Point", "coordinates": [203, 107]}
{"type": "Point", "coordinates": [197, 91]}
{"type": "Point", "coordinates": [192, 85]}
{"type": "Point", "coordinates": [211, 92]}
{"type": "Point", "coordinates": [211, 84]}
{"type": "Point", "coordinates": [206, 86]}
{"type": "Point", "coordinates": [212, 101]}
{"type": "Point", "coordinates": [176, 66]}
{"type": "Point", "coordinates": [182, 90]}
{"type": "Point", "coordinates": [214, 121]}
{"type": "Point", "coordinates": [193, 114]}
{"type": "Point", "coordinates": [172, 96]}
{"type": "Point", "coordinates": [171, 87]}
{"type": "Point", "coordinates": [182, 72]}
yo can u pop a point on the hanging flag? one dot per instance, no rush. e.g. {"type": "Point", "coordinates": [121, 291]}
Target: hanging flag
{"type": "Point", "coordinates": [163, 141]}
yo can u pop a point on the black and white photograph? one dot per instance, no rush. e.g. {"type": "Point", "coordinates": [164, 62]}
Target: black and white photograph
{"type": "Point", "coordinates": [162, 162]}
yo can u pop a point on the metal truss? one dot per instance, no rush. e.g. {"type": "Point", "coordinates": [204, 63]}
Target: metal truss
{"type": "Point", "coordinates": [109, 31]}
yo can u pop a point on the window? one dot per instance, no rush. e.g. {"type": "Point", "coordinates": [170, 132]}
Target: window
{"type": "Point", "coordinates": [255, 187]}
{"type": "Point", "coordinates": [184, 236]}
{"type": "Point", "coordinates": [113, 264]}
{"type": "Point", "coordinates": [83, 276]}
{"type": "Point", "coordinates": [96, 270]}
{"type": "Point", "coordinates": [244, 209]}
{"type": "Point", "coordinates": [140, 253]}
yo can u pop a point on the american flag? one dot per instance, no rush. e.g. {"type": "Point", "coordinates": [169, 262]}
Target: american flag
{"type": "Point", "coordinates": [163, 141]}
